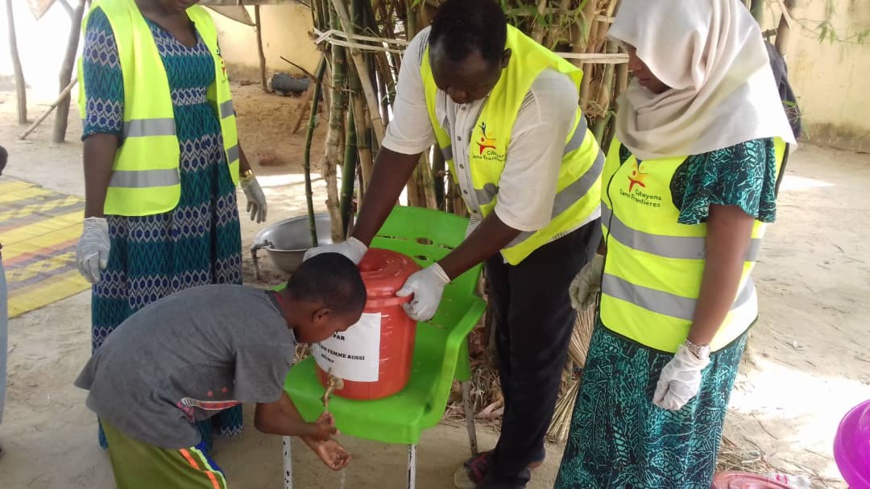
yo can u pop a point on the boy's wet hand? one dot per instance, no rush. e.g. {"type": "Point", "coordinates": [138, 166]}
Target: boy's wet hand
{"type": "Point", "coordinates": [324, 428]}
{"type": "Point", "coordinates": [332, 454]}
{"type": "Point", "coordinates": [326, 418]}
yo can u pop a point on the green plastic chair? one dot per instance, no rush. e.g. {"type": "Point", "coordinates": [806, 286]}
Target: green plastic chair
{"type": "Point", "coordinates": [440, 351]}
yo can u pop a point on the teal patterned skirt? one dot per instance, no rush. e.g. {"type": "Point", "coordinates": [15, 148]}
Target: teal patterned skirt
{"type": "Point", "coordinates": [620, 439]}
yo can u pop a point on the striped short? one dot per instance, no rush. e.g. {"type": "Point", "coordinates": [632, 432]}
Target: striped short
{"type": "Point", "coordinates": [139, 465]}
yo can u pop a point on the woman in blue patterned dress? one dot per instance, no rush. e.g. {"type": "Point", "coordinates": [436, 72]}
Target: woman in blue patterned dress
{"type": "Point", "coordinates": [690, 180]}
{"type": "Point", "coordinates": [133, 260]}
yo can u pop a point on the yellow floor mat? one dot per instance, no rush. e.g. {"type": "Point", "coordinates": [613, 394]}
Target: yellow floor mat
{"type": "Point", "coordinates": [39, 229]}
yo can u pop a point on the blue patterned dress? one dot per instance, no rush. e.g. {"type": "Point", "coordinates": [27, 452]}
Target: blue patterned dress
{"type": "Point", "coordinates": [619, 438]}
{"type": "Point", "coordinates": [197, 243]}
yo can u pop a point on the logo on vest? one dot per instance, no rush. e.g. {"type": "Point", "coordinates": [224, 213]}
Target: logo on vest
{"type": "Point", "coordinates": [487, 146]}
{"type": "Point", "coordinates": [485, 142]}
{"type": "Point", "coordinates": [637, 185]}
{"type": "Point", "coordinates": [636, 177]}
{"type": "Point", "coordinates": [221, 59]}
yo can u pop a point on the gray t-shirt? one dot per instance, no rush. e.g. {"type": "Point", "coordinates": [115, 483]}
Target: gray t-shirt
{"type": "Point", "coordinates": [186, 357]}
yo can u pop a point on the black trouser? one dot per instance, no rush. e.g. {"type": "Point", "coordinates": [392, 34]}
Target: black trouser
{"type": "Point", "coordinates": [533, 320]}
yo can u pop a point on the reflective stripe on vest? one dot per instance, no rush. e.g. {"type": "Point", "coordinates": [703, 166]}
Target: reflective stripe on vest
{"type": "Point", "coordinates": [145, 176]}
{"type": "Point", "coordinates": [687, 248]}
{"type": "Point", "coordinates": [663, 302]}
{"type": "Point", "coordinates": [578, 187]}
{"type": "Point", "coordinates": [571, 194]}
{"type": "Point", "coordinates": [654, 265]}
{"type": "Point", "coordinates": [566, 196]}
{"type": "Point", "coordinates": [227, 109]}
{"type": "Point", "coordinates": [139, 128]}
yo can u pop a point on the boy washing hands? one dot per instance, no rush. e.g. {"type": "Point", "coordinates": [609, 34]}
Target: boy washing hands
{"type": "Point", "coordinates": [192, 354]}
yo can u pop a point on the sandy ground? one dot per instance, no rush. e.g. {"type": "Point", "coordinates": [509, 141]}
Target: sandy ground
{"type": "Point", "coordinates": [807, 364]}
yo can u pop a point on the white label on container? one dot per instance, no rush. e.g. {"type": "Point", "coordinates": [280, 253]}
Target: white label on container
{"type": "Point", "coordinates": [355, 354]}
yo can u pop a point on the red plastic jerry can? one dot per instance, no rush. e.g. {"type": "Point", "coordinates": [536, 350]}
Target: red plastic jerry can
{"type": "Point", "coordinates": [374, 357]}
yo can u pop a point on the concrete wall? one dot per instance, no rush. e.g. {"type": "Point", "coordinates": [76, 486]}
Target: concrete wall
{"type": "Point", "coordinates": [832, 80]}
{"type": "Point", "coordinates": [285, 33]}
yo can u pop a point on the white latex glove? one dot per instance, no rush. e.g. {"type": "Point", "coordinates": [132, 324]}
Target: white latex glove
{"type": "Point", "coordinates": [256, 199]}
{"type": "Point", "coordinates": [680, 380]}
{"type": "Point", "coordinates": [427, 285]}
{"type": "Point", "coordinates": [92, 252]}
{"type": "Point", "coordinates": [586, 284]}
{"type": "Point", "coordinates": [352, 248]}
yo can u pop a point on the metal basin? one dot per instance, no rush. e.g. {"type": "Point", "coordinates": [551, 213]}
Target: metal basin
{"type": "Point", "coordinates": [287, 241]}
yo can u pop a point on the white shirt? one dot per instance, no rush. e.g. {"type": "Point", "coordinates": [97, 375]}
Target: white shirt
{"type": "Point", "coordinates": [527, 187]}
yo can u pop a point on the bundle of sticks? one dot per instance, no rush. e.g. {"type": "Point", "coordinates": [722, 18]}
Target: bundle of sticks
{"type": "Point", "coordinates": [577, 352]}
{"type": "Point", "coordinates": [486, 397]}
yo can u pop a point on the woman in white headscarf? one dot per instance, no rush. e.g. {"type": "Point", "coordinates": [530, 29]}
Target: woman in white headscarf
{"type": "Point", "coordinates": [690, 181]}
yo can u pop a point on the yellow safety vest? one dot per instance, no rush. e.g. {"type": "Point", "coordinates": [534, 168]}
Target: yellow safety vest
{"type": "Point", "coordinates": [654, 265]}
{"type": "Point", "coordinates": [145, 176]}
{"type": "Point", "coordinates": [579, 185]}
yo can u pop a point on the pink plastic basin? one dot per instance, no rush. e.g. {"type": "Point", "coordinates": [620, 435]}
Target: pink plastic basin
{"type": "Point", "coordinates": [852, 447]}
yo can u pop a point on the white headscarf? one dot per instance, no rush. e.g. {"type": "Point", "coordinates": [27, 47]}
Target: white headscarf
{"type": "Point", "coordinates": [711, 54]}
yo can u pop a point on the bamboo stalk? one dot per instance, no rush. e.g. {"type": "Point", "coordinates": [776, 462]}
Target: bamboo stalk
{"type": "Point", "coordinates": [438, 167]}
{"type": "Point", "coordinates": [306, 103]}
{"type": "Point", "coordinates": [61, 118]}
{"type": "Point", "coordinates": [538, 31]}
{"type": "Point", "coordinates": [334, 139]}
{"type": "Point", "coordinates": [362, 69]}
{"type": "Point", "coordinates": [783, 30]}
{"type": "Point", "coordinates": [449, 198]}
{"type": "Point", "coordinates": [386, 98]}
{"type": "Point", "coordinates": [459, 207]}
{"type": "Point", "coordinates": [20, 84]}
{"type": "Point", "coordinates": [565, 12]}
{"type": "Point", "coordinates": [603, 25]}
{"type": "Point", "coordinates": [348, 172]}
{"type": "Point", "coordinates": [426, 184]}
{"type": "Point", "coordinates": [583, 46]}
{"type": "Point", "coordinates": [362, 16]}
{"type": "Point", "coordinates": [415, 196]}
{"type": "Point", "coordinates": [621, 79]}
{"type": "Point", "coordinates": [410, 20]}
{"type": "Point", "coordinates": [604, 97]}
{"type": "Point", "coordinates": [309, 137]}
{"type": "Point", "coordinates": [366, 159]}
{"type": "Point", "coordinates": [757, 9]}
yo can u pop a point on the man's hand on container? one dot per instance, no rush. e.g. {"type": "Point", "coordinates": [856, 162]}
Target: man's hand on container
{"type": "Point", "coordinates": [427, 287]}
{"type": "Point", "coordinates": [353, 248]}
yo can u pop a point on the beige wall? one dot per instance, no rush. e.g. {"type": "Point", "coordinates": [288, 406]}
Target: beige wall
{"type": "Point", "coordinates": [832, 80]}
{"type": "Point", "coordinates": [285, 33]}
